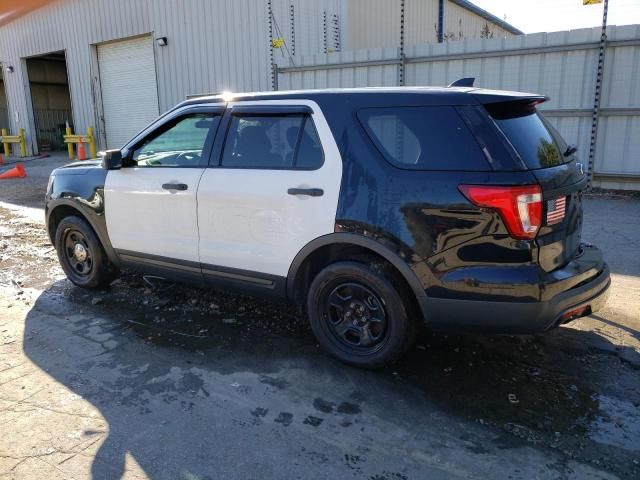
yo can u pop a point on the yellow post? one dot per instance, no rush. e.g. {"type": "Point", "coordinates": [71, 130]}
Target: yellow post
{"type": "Point", "coordinates": [69, 145]}
{"type": "Point", "coordinates": [92, 143]}
{"type": "Point", "coordinates": [23, 144]}
{"type": "Point", "coordinates": [7, 147]}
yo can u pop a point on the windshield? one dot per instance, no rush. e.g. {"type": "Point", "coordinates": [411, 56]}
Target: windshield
{"type": "Point", "coordinates": [530, 134]}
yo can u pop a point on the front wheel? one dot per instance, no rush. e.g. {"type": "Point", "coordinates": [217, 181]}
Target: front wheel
{"type": "Point", "coordinates": [358, 316]}
{"type": "Point", "coordinates": [81, 254]}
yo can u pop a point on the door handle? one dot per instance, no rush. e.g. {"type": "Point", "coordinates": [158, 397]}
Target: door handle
{"type": "Point", "coordinates": [175, 186]}
{"type": "Point", "coordinates": [311, 192]}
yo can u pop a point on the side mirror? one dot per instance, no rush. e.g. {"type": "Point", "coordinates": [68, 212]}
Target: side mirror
{"type": "Point", "coordinates": [571, 149]}
{"type": "Point", "coordinates": [111, 159]}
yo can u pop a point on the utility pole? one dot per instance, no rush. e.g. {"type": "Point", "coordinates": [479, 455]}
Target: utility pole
{"type": "Point", "coordinates": [441, 21]}
{"type": "Point", "coordinates": [597, 95]}
{"type": "Point", "coordinates": [401, 66]}
{"type": "Point", "coordinates": [292, 29]}
{"type": "Point", "coordinates": [272, 64]}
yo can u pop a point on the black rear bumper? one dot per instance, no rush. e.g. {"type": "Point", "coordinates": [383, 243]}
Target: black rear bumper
{"type": "Point", "coordinates": [582, 285]}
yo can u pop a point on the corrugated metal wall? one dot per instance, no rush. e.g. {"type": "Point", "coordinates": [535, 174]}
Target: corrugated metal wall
{"type": "Point", "coordinates": [370, 23]}
{"type": "Point", "coordinates": [458, 19]}
{"type": "Point", "coordinates": [561, 65]}
{"type": "Point", "coordinates": [213, 45]}
{"type": "Point", "coordinates": [307, 25]}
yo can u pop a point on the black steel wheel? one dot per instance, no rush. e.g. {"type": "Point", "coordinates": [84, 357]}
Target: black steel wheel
{"type": "Point", "coordinates": [76, 248]}
{"type": "Point", "coordinates": [358, 315]}
{"type": "Point", "coordinates": [81, 254]}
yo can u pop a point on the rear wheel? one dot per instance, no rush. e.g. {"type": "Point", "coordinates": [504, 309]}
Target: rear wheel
{"type": "Point", "coordinates": [358, 315]}
{"type": "Point", "coordinates": [81, 254]}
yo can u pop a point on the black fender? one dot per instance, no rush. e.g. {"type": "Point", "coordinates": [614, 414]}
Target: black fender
{"type": "Point", "coordinates": [343, 238]}
{"type": "Point", "coordinates": [80, 188]}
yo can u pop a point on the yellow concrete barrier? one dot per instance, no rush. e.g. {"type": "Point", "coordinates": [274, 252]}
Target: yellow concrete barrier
{"type": "Point", "coordinates": [71, 138]}
{"type": "Point", "coordinates": [7, 140]}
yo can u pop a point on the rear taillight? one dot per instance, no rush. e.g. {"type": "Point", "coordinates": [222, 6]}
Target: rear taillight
{"type": "Point", "coordinates": [519, 207]}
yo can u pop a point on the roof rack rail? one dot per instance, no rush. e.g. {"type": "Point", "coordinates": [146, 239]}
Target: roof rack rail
{"type": "Point", "coordinates": [189, 96]}
{"type": "Point", "coordinates": [464, 82]}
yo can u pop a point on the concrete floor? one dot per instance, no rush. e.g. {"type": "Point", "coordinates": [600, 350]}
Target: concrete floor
{"type": "Point", "coordinates": [175, 382]}
{"type": "Point", "coordinates": [29, 191]}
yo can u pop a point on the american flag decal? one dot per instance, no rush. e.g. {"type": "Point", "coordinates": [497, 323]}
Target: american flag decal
{"type": "Point", "coordinates": [556, 209]}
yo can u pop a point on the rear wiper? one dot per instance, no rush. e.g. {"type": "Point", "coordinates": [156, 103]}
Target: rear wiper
{"type": "Point", "coordinates": [571, 149]}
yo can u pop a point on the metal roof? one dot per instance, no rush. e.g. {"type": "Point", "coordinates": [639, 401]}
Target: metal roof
{"type": "Point", "coordinates": [488, 16]}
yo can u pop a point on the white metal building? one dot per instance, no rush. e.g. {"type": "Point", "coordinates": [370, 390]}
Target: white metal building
{"type": "Point", "coordinates": [129, 60]}
{"type": "Point", "coordinates": [573, 68]}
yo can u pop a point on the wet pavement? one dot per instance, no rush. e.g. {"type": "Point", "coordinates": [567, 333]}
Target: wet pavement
{"type": "Point", "coordinates": [160, 380]}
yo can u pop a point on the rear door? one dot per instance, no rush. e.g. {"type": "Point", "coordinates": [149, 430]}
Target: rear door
{"type": "Point", "coordinates": [272, 188]}
{"type": "Point", "coordinates": [560, 174]}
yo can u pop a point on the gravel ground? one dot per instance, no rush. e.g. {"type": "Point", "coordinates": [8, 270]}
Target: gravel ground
{"type": "Point", "coordinates": [151, 379]}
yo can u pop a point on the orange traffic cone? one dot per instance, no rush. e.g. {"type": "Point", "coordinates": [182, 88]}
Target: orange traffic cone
{"type": "Point", "coordinates": [15, 172]}
{"type": "Point", "coordinates": [82, 154]}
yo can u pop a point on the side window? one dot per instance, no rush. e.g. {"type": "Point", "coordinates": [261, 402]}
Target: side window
{"type": "Point", "coordinates": [272, 142]}
{"type": "Point", "coordinates": [179, 144]}
{"type": "Point", "coordinates": [423, 138]}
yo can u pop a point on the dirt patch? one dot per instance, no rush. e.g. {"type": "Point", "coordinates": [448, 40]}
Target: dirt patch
{"type": "Point", "coordinates": [27, 258]}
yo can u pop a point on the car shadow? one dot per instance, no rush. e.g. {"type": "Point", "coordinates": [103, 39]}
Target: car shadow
{"type": "Point", "coordinates": [184, 390]}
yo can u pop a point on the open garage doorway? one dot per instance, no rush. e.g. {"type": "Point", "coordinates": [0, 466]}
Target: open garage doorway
{"type": "Point", "coordinates": [50, 99]}
{"type": "Point", "coordinates": [4, 106]}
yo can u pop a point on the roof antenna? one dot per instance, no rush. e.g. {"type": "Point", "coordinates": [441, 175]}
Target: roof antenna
{"type": "Point", "coordinates": [464, 82]}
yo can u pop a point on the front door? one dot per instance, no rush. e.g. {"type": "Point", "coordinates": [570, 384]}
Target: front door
{"type": "Point", "coordinates": [273, 188]}
{"type": "Point", "coordinates": [150, 204]}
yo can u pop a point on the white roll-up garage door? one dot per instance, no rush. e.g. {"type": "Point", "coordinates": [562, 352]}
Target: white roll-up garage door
{"type": "Point", "coordinates": [128, 87]}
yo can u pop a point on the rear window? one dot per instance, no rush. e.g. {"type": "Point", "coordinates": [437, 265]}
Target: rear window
{"type": "Point", "coordinates": [529, 133]}
{"type": "Point", "coordinates": [423, 138]}
{"type": "Point", "coordinates": [272, 142]}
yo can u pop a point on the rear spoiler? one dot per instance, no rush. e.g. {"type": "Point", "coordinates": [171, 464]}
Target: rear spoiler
{"type": "Point", "coordinates": [502, 96]}
{"type": "Point", "coordinates": [507, 106]}
{"type": "Point", "coordinates": [487, 96]}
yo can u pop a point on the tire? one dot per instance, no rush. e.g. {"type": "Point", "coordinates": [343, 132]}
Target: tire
{"type": "Point", "coordinates": [358, 316]}
{"type": "Point", "coordinates": [86, 265]}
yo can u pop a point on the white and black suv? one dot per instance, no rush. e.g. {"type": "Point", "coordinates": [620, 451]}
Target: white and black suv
{"type": "Point", "coordinates": [374, 209]}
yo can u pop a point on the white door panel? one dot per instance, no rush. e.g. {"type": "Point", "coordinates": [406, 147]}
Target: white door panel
{"type": "Point", "coordinates": [143, 217]}
{"type": "Point", "coordinates": [263, 228]}
{"type": "Point", "coordinates": [248, 221]}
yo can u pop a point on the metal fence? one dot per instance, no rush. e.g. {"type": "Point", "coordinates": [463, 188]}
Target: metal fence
{"type": "Point", "coordinates": [50, 127]}
{"type": "Point", "coordinates": [4, 116]}
{"type": "Point", "coordinates": [561, 65]}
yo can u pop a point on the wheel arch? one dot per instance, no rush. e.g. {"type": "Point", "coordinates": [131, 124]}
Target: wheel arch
{"type": "Point", "coordinates": [62, 208]}
{"type": "Point", "coordinates": [323, 250]}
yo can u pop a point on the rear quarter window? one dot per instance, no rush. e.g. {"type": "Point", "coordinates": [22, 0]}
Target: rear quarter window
{"type": "Point", "coordinates": [534, 139]}
{"type": "Point", "coordinates": [423, 138]}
